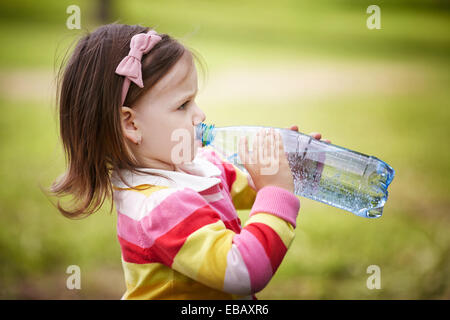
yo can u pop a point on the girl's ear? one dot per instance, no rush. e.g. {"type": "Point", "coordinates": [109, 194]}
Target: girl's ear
{"type": "Point", "coordinates": [129, 126]}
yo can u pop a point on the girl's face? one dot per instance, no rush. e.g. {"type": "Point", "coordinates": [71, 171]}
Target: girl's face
{"type": "Point", "coordinates": [161, 125]}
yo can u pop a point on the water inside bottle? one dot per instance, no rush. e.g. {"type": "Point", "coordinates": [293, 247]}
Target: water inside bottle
{"type": "Point", "coordinates": [322, 182]}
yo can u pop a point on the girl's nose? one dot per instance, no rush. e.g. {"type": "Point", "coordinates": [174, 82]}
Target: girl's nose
{"type": "Point", "coordinates": [199, 116]}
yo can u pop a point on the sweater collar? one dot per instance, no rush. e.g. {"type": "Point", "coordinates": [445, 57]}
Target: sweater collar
{"type": "Point", "coordinates": [199, 175]}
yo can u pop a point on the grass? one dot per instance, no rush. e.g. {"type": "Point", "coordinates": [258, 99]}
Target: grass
{"type": "Point", "coordinates": [402, 120]}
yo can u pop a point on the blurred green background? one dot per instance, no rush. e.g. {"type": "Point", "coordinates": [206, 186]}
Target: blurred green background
{"type": "Point", "coordinates": [312, 63]}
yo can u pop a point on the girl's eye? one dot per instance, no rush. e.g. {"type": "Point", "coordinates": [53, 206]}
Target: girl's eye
{"type": "Point", "coordinates": [183, 106]}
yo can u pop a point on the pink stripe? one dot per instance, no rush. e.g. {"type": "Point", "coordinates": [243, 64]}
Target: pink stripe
{"type": "Point", "coordinates": [255, 258]}
{"type": "Point", "coordinates": [225, 207]}
{"type": "Point", "coordinates": [226, 169]}
{"type": "Point", "coordinates": [128, 228]}
{"type": "Point", "coordinates": [174, 209]}
{"type": "Point", "coordinates": [277, 201]}
{"type": "Point", "coordinates": [211, 156]}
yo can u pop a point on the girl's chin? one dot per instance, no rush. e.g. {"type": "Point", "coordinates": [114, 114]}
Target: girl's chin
{"type": "Point", "coordinates": [197, 144]}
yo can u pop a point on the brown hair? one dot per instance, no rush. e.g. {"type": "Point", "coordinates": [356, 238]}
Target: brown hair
{"type": "Point", "coordinates": [89, 101]}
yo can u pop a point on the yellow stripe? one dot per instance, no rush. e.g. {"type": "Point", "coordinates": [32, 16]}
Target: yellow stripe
{"type": "Point", "coordinates": [242, 194]}
{"type": "Point", "coordinates": [137, 274]}
{"type": "Point", "coordinates": [188, 289]}
{"type": "Point", "coordinates": [203, 256]}
{"type": "Point", "coordinates": [142, 186]}
{"type": "Point", "coordinates": [157, 281]}
{"type": "Point", "coordinates": [146, 281]}
{"type": "Point", "coordinates": [240, 183]}
{"type": "Point", "coordinates": [147, 192]}
{"type": "Point", "coordinates": [145, 189]}
{"type": "Point", "coordinates": [283, 228]}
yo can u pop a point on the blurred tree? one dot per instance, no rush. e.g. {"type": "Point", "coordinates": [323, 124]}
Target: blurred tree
{"type": "Point", "coordinates": [104, 11]}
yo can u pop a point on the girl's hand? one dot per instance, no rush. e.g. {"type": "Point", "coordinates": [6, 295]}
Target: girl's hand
{"type": "Point", "coordinates": [315, 135]}
{"type": "Point", "coordinates": [267, 164]}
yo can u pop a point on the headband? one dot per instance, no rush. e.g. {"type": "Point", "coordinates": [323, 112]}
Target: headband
{"type": "Point", "coordinates": [130, 66]}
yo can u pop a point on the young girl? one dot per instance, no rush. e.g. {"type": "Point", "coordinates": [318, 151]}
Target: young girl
{"type": "Point", "coordinates": [123, 93]}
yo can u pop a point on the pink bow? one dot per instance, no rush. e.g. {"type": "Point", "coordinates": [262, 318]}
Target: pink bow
{"type": "Point", "coordinates": [130, 66]}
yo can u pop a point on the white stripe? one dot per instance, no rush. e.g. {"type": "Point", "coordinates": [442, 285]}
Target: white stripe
{"type": "Point", "coordinates": [199, 175]}
{"type": "Point", "coordinates": [237, 279]}
{"type": "Point", "coordinates": [213, 197]}
{"type": "Point", "coordinates": [136, 205]}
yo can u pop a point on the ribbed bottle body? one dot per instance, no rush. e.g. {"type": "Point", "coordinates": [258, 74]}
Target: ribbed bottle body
{"type": "Point", "coordinates": [323, 172]}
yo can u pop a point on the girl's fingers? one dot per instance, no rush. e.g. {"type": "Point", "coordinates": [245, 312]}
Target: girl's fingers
{"type": "Point", "coordinates": [243, 150]}
{"type": "Point", "coordinates": [278, 145]}
{"type": "Point", "coordinates": [318, 136]}
{"type": "Point", "coordinates": [263, 150]}
{"type": "Point", "coordinates": [294, 128]}
{"type": "Point", "coordinates": [269, 144]}
{"type": "Point", "coordinates": [257, 144]}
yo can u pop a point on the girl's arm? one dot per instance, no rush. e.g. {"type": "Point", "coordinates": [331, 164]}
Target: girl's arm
{"type": "Point", "coordinates": [184, 233]}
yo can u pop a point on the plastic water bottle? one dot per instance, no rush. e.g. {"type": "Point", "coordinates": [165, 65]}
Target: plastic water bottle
{"type": "Point", "coordinates": [323, 172]}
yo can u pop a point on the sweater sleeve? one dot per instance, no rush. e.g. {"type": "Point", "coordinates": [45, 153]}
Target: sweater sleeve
{"type": "Point", "coordinates": [186, 234]}
{"type": "Point", "coordinates": [241, 187]}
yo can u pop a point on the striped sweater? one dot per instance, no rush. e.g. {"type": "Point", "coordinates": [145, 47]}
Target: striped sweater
{"type": "Point", "coordinates": [181, 237]}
